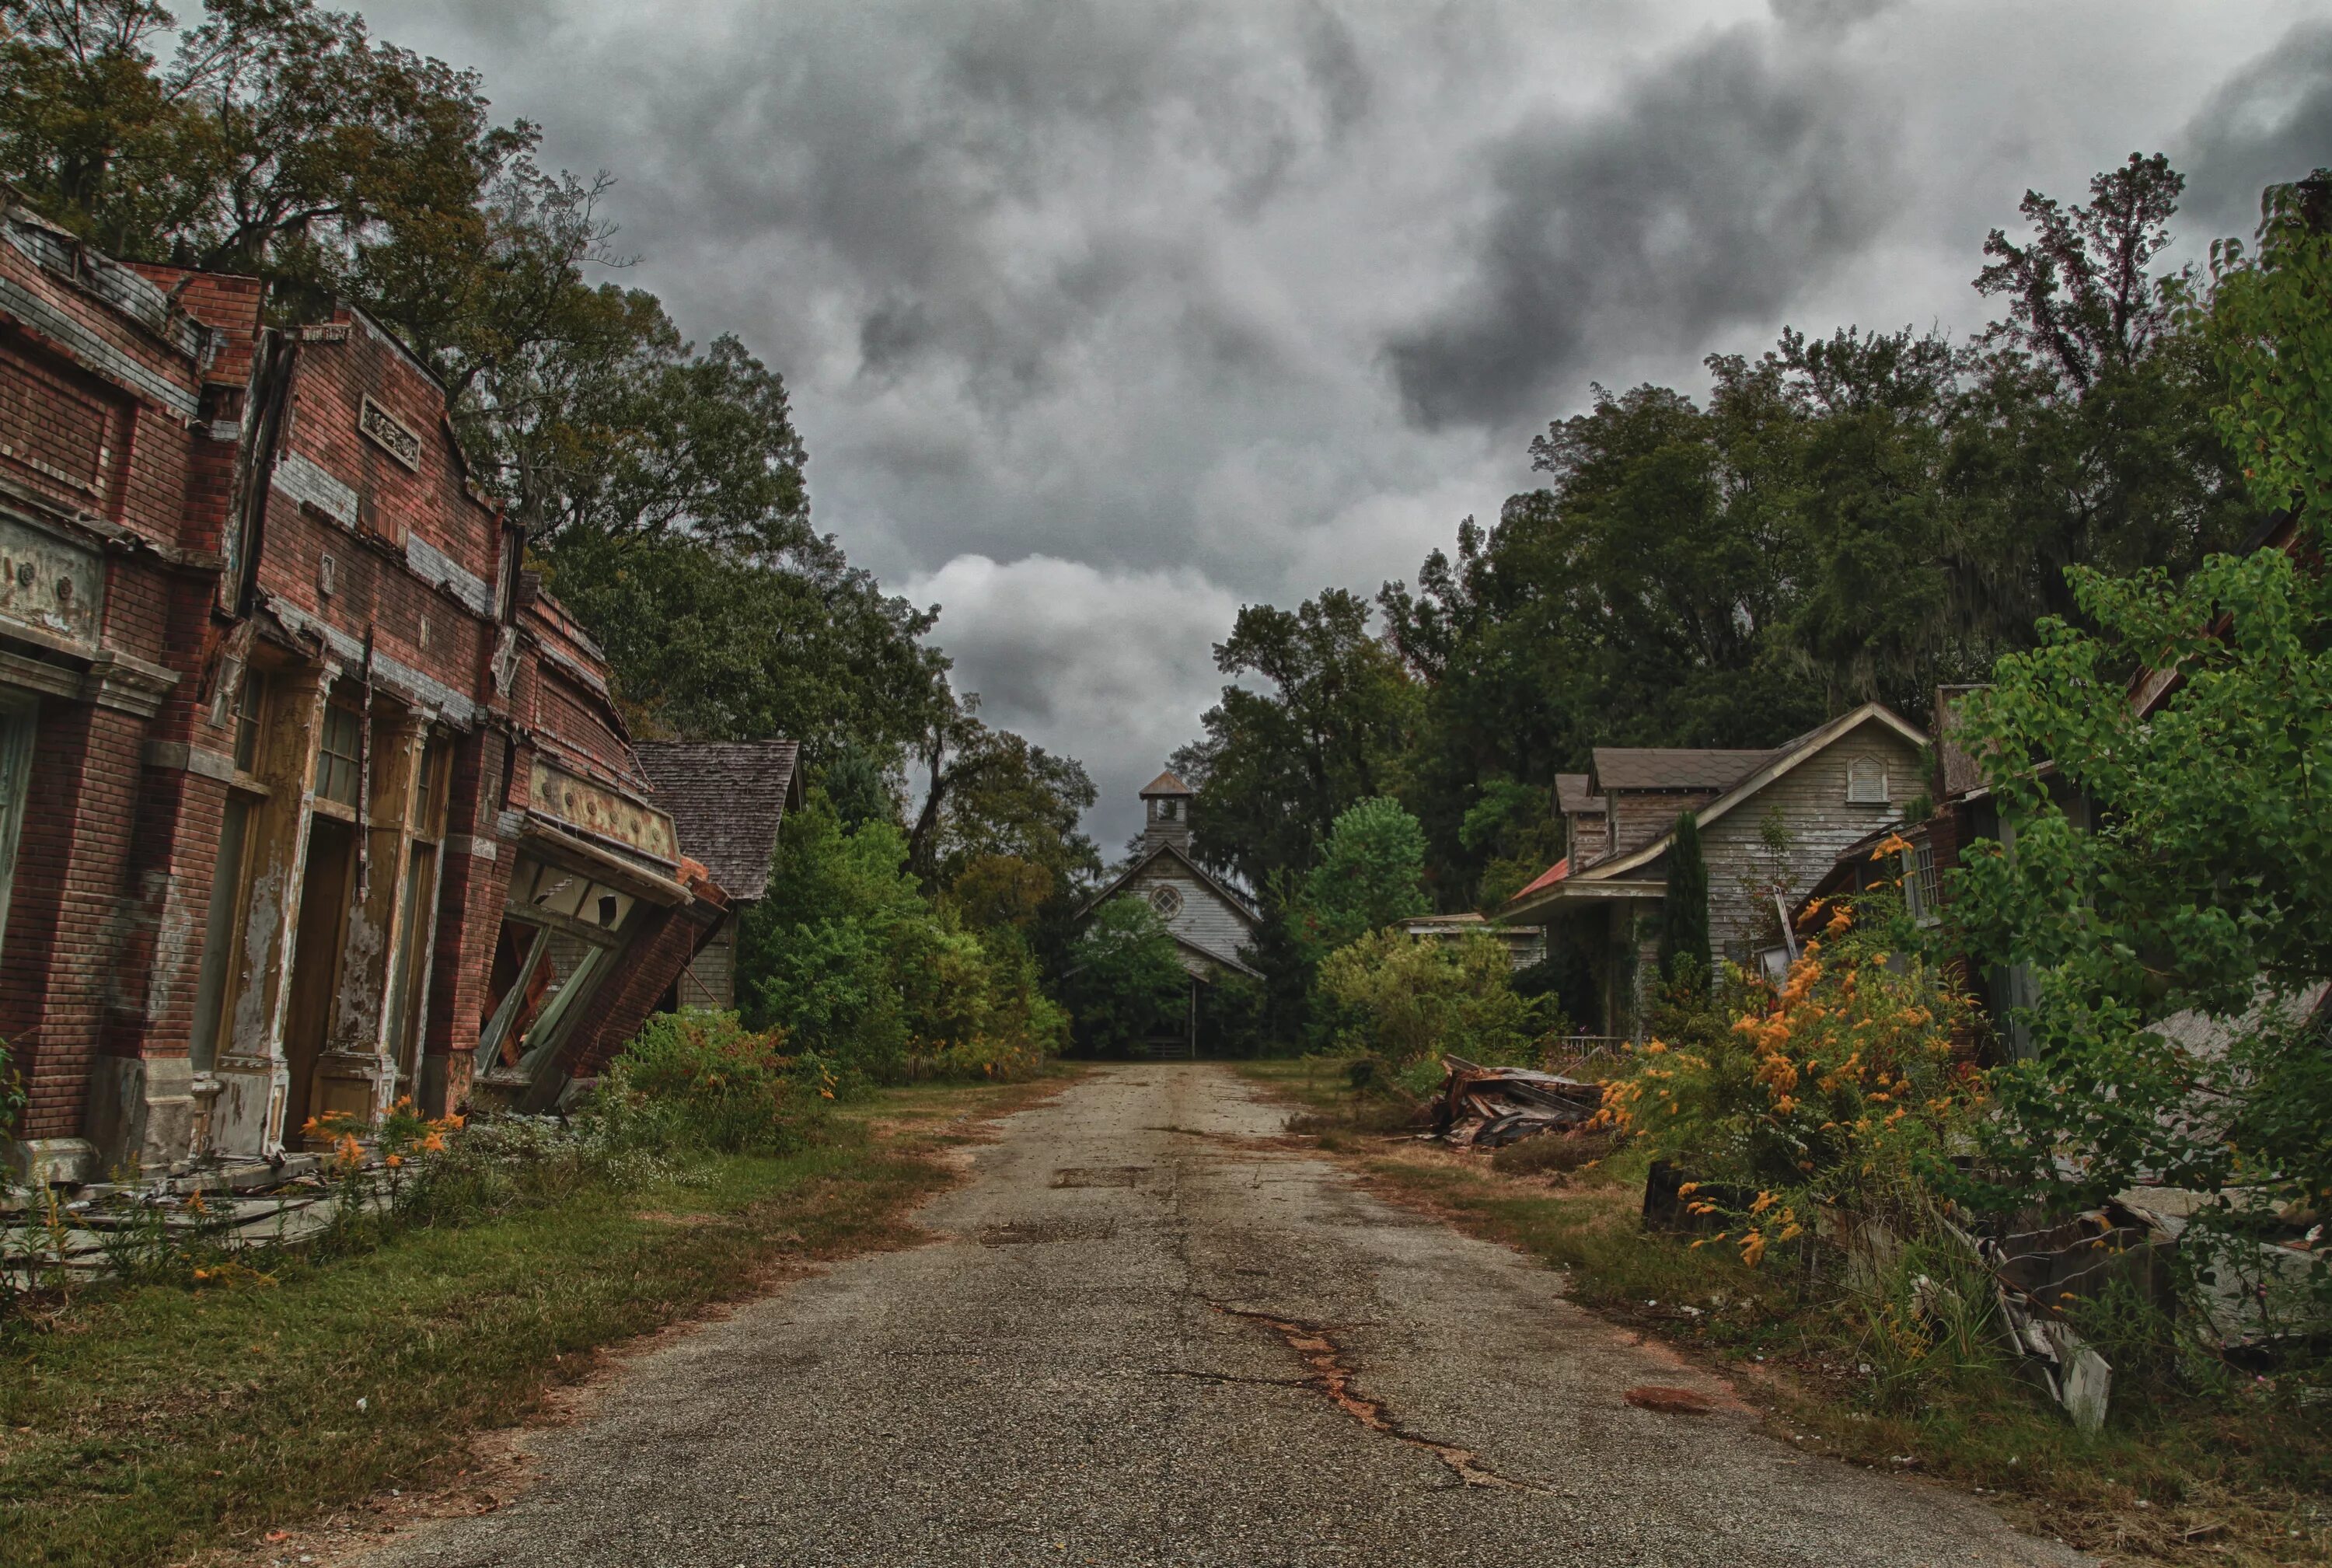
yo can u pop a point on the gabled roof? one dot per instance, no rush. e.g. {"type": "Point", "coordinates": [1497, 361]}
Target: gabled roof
{"type": "Point", "coordinates": [1779, 762]}
{"type": "Point", "coordinates": [1572, 794]}
{"type": "Point", "coordinates": [728, 800]}
{"type": "Point", "coordinates": [1614, 870]}
{"type": "Point", "coordinates": [1239, 902]}
{"type": "Point", "coordinates": [1672, 768]}
{"type": "Point", "coordinates": [1166, 784]}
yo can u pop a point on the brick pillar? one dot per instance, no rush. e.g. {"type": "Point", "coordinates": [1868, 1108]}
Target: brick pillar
{"type": "Point", "coordinates": [63, 916]}
{"type": "Point", "coordinates": [141, 1107]}
{"type": "Point", "coordinates": [474, 882]}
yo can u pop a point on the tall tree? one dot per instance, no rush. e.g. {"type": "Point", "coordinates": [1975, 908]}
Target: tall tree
{"type": "Point", "coordinates": [280, 140]}
{"type": "Point", "coordinates": [1276, 766]}
{"type": "Point", "coordinates": [1370, 875]}
{"type": "Point", "coordinates": [1684, 958]}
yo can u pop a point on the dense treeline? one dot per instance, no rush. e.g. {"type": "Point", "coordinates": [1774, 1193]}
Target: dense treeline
{"type": "Point", "coordinates": [661, 483]}
{"type": "Point", "coordinates": [1857, 516]}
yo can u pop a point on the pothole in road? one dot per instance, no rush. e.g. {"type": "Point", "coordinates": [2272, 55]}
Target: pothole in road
{"type": "Point", "coordinates": [1036, 1232]}
{"type": "Point", "coordinates": [1100, 1175]}
{"type": "Point", "coordinates": [1332, 1376]}
{"type": "Point", "coordinates": [1669, 1402]}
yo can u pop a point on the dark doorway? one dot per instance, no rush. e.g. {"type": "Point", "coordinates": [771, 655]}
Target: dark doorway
{"type": "Point", "coordinates": [315, 962]}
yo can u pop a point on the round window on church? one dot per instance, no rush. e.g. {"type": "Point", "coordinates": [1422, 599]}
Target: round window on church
{"type": "Point", "coordinates": [1166, 900]}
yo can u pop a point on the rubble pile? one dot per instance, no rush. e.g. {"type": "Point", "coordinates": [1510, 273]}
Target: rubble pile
{"type": "Point", "coordinates": [1480, 1107]}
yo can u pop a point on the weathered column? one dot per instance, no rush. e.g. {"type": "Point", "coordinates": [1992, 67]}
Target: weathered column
{"type": "Point", "coordinates": [254, 1079]}
{"type": "Point", "coordinates": [357, 1076]}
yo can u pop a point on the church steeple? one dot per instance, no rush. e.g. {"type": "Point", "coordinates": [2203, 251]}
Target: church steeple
{"type": "Point", "coordinates": [1166, 802]}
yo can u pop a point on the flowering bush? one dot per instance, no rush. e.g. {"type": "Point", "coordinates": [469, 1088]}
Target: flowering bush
{"type": "Point", "coordinates": [1833, 1098]}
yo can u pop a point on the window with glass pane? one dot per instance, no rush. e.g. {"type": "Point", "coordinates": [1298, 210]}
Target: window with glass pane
{"type": "Point", "coordinates": [246, 719]}
{"type": "Point", "coordinates": [337, 759]}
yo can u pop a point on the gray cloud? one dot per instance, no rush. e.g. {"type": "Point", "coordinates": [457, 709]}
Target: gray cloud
{"type": "Point", "coordinates": [1102, 318]}
{"type": "Point", "coordinates": [1719, 183]}
{"type": "Point", "coordinates": [1827, 15]}
{"type": "Point", "coordinates": [2269, 122]}
{"type": "Point", "coordinates": [1057, 647]}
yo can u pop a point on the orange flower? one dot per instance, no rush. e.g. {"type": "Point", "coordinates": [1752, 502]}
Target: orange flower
{"type": "Point", "coordinates": [1753, 1248]}
{"type": "Point", "coordinates": [395, 1161]}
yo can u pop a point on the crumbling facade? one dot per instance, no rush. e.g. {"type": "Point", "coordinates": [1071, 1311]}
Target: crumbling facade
{"type": "Point", "coordinates": [310, 797]}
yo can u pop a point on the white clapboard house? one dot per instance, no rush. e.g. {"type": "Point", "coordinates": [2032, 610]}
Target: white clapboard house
{"type": "Point", "coordinates": [1209, 921]}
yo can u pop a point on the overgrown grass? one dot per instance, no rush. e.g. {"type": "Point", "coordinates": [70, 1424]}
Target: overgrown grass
{"type": "Point", "coordinates": [2238, 1472]}
{"type": "Point", "coordinates": [154, 1420]}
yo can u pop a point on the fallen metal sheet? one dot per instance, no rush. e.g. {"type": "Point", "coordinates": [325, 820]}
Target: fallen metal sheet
{"type": "Point", "coordinates": [1489, 1107]}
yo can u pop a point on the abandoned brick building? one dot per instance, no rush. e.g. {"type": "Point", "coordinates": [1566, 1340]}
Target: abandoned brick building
{"type": "Point", "coordinates": [310, 797]}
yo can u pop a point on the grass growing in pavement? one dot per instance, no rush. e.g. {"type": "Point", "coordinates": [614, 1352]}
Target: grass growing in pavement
{"type": "Point", "coordinates": [154, 1422]}
{"type": "Point", "coordinates": [2240, 1476]}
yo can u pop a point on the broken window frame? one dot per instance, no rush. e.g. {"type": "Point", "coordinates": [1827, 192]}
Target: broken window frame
{"type": "Point", "coordinates": [221, 976]}
{"type": "Point", "coordinates": [1920, 896]}
{"type": "Point", "coordinates": [537, 885]}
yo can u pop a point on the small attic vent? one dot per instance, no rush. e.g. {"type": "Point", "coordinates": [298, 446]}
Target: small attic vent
{"type": "Point", "coordinates": [1865, 782]}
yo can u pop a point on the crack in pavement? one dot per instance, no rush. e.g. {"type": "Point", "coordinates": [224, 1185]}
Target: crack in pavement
{"type": "Point", "coordinates": [1316, 1344]}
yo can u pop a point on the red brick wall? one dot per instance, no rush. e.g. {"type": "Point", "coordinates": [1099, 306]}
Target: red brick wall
{"type": "Point", "coordinates": [667, 941]}
{"type": "Point", "coordinates": [71, 867]}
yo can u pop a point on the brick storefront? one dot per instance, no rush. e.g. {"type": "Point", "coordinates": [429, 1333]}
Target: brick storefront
{"type": "Point", "coordinates": [310, 799]}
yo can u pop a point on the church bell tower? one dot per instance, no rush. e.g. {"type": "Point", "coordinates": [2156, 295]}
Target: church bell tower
{"type": "Point", "coordinates": [1166, 821]}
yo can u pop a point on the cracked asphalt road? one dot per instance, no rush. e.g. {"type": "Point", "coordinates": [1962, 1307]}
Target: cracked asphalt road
{"type": "Point", "coordinates": [1143, 1342]}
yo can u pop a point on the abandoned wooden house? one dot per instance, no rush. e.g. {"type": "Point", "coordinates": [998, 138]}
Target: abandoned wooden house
{"type": "Point", "coordinates": [729, 799]}
{"type": "Point", "coordinates": [1210, 922]}
{"type": "Point", "coordinates": [310, 797]}
{"type": "Point", "coordinates": [1772, 824]}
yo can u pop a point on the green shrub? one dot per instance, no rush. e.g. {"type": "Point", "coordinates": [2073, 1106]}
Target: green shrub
{"type": "Point", "coordinates": [1410, 1000]}
{"type": "Point", "coordinates": [695, 1079]}
{"type": "Point", "coordinates": [1124, 981]}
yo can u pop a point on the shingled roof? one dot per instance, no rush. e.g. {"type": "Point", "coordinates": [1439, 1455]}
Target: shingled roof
{"type": "Point", "coordinates": [1572, 794]}
{"type": "Point", "coordinates": [727, 797]}
{"type": "Point", "coordinates": [1672, 768]}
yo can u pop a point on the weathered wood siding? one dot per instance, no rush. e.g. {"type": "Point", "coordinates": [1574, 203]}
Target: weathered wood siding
{"type": "Point", "coordinates": [1811, 800]}
{"type": "Point", "coordinates": [1589, 836]}
{"type": "Point", "coordinates": [711, 980]}
{"type": "Point", "coordinates": [1206, 919]}
{"type": "Point", "coordinates": [1640, 815]}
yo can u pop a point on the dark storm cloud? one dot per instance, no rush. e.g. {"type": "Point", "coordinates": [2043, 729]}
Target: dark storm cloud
{"type": "Point", "coordinates": [1102, 316]}
{"type": "Point", "coordinates": [1723, 180]}
{"type": "Point", "coordinates": [2269, 122]}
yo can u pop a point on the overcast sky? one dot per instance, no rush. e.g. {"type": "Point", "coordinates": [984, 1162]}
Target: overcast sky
{"type": "Point", "coordinates": [1100, 320]}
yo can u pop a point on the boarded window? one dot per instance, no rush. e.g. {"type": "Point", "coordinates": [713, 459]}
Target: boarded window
{"type": "Point", "coordinates": [1865, 782]}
